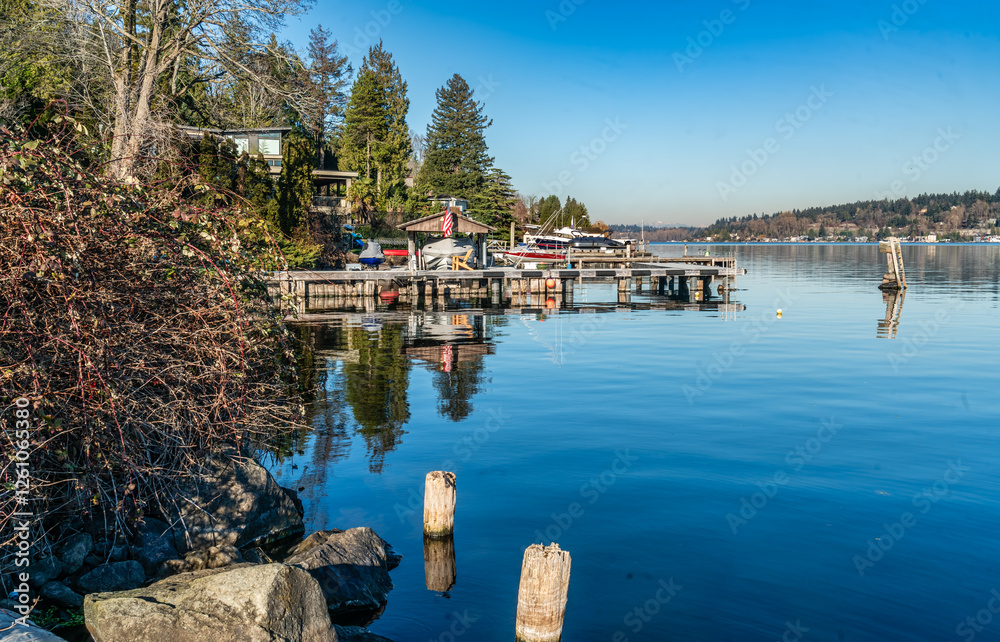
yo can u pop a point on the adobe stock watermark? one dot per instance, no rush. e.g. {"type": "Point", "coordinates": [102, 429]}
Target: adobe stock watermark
{"type": "Point", "coordinates": [723, 360]}
{"type": "Point", "coordinates": [21, 540]}
{"type": "Point", "coordinates": [911, 345]}
{"type": "Point", "coordinates": [901, 14]}
{"type": "Point", "coordinates": [892, 533]}
{"type": "Point", "coordinates": [641, 615]}
{"type": "Point", "coordinates": [714, 27]}
{"type": "Point", "coordinates": [786, 127]}
{"type": "Point", "coordinates": [365, 37]}
{"type": "Point", "coordinates": [915, 167]}
{"type": "Point", "coordinates": [796, 459]}
{"type": "Point", "coordinates": [591, 491]}
{"type": "Point", "coordinates": [460, 624]}
{"type": "Point", "coordinates": [586, 154]}
{"type": "Point", "coordinates": [794, 631]}
{"type": "Point", "coordinates": [975, 624]}
{"type": "Point", "coordinates": [562, 12]}
{"type": "Point", "coordinates": [463, 449]}
{"type": "Point", "coordinates": [486, 88]}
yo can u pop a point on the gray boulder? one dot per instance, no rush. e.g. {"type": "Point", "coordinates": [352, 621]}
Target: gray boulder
{"type": "Point", "coordinates": [230, 502]}
{"type": "Point", "coordinates": [352, 568]}
{"type": "Point", "coordinates": [211, 557]}
{"type": "Point", "coordinates": [242, 603]}
{"type": "Point", "coordinates": [117, 576]}
{"type": "Point", "coordinates": [45, 569]}
{"type": "Point", "coordinates": [61, 595]}
{"type": "Point", "coordinates": [19, 633]}
{"type": "Point", "coordinates": [154, 545]}
{"type": "Point", "coordinates": [357, 634]}
{"type": "Point", "coordinates": [74, 551]}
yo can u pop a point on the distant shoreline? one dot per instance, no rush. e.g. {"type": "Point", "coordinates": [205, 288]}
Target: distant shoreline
{"type": "Point", "coordinates": [937, 244]}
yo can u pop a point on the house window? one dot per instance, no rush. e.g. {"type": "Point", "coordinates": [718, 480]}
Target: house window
{"type": "Point", "coordinates": [269, 144]}
{"type": "Point", "coordinates": [242, 144]}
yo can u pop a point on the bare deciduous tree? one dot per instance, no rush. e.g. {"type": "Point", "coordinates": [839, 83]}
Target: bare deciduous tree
{"type": "Point", "coordinates": [142, 44]}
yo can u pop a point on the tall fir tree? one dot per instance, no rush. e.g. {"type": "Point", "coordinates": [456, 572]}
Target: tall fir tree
{"type": "Point", "coordinates": [495, 203]}
{"type": "Point", "coordinates": [376, 139]}
{"type": "Point", "coordinates": [574, 213]}
{"type": "Point", "coordinates": [327, 74]}
{"type": "Point", "coordinates": [457, 156]}
{"type": "Point", "coordinates": [546, 208]}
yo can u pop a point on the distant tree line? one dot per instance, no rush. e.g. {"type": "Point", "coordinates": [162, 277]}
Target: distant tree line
{"type": "Point", "coordinates": [944, 214]}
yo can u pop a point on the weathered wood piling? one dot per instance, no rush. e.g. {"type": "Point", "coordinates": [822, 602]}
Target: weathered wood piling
{"type": "Point", "coordinates": [439, 504]}
{"type": "Point", "coordinates": [895, 276]}
{"type": "Point", "coordinates": [542, 594]}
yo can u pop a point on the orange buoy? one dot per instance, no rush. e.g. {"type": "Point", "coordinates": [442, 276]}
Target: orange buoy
{"type": "Point", "coordinates": [550, 304]}
{"type": "Point", "coordinates": [550, 283]}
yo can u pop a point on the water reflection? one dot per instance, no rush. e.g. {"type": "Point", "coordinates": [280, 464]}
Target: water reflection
{"type": "Point", "coordinates": [888, 326]}
{"type": "Point", "coordinates": [358, 364]}
{"type": "Point", "coordinates": [359, 367]}
{"type": "Point", "coordinates": [440, 572]}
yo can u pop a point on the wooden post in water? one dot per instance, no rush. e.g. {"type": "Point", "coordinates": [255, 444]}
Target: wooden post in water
{"type": "Point", "coordinates": [439, 504]}
{"type": "Point", "coordinates": [541, 596]}
{"type": "Point", "coordinates": [895, 276]}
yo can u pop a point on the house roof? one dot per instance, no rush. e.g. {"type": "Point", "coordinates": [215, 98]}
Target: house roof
{"type": "Point", "coordinates": [224, 132]}
{"type": "Point", "coordinates": [432, 223]}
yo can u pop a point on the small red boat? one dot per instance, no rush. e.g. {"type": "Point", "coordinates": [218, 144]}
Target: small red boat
{"type": "Point", "coordinates": [395, 252]}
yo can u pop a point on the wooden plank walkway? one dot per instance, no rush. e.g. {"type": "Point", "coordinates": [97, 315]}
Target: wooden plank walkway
{"type": "Point", "coordinates": [403, 275]}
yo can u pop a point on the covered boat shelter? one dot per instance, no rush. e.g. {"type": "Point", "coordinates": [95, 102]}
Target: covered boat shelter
{"type": "Point", "coordinates": [435, 225]}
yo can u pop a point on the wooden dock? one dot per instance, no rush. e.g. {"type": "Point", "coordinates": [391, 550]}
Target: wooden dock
{"type": "Point", "coordinates": [502, 287]}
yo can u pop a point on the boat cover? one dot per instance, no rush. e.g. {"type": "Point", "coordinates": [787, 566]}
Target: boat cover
{"type": "Point", "coordinates": [373, 250]}
{"type": "Point", "coordinates": [437, 254]}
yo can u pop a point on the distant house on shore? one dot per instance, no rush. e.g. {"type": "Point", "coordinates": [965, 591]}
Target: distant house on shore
{"type": "Point", "coordinates": [330, 185]}
{"type": "Point", "coordinates": [450, 202]}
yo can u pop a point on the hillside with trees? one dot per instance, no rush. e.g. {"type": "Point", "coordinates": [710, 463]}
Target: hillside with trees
{"type": "Point", "coordinates": [953, 216]}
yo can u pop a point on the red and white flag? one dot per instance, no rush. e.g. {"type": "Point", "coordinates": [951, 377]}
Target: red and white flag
{"type": "Point", "coordinates": [447, 225]}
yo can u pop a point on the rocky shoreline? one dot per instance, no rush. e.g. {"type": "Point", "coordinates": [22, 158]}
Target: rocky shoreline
{"type": "Point", "coordinates": [226, 562]}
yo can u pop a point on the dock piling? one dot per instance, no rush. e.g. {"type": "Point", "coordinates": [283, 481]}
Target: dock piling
{"type": "Point", "coordinates": [542, 594]}
{"type": "Point", "coordinates": [439, 504]}
{"type": "Point", "coordinates": [895, 276]}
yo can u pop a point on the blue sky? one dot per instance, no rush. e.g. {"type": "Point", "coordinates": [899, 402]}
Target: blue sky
{"type": "Point", "coordinates": [685, 112]}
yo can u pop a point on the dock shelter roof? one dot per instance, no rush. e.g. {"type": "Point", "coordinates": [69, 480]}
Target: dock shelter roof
{"type": "Point", "coordinates": [432, 223]}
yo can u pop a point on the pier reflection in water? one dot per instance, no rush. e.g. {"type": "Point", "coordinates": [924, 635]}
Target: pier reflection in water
{"type": "Point", "coordinates": [888, 326]}
{"type": "Point", "coordinates": [358, 363]}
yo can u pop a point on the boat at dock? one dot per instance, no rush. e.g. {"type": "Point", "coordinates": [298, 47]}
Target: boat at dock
{"type": "Point", "coordinates": [525, 252]}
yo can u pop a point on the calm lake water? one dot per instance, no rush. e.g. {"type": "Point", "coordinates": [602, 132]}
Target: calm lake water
{"type": "Point", "coordinates": [833, 474]}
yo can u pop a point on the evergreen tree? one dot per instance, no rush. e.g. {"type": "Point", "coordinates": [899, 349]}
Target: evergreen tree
{"type": "Point", "coordinates": [574, 213]}
{"type": "Point", "coordinates": [457, 156]}
{"type": "Point", "coordinates": [547, 207]}
{"type": "Point", "coordinates": [376, 139]}
{"type": "Point", "coordinates": [494, 205]}
{"type": "Point", "coordinates": [327, 74]}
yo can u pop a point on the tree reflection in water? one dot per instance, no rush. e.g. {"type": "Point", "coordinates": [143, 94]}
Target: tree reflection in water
{"type": "Point", "coordinates": [375, 388]}
{"type": "Point", "coordinates": [456, 386]}
{"type": "Point", "coordinates": [359, 375]}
